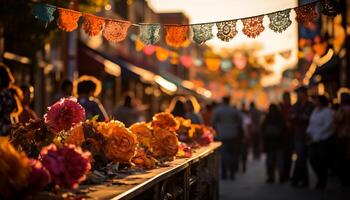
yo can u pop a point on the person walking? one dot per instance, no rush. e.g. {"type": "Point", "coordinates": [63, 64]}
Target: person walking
{"type": "Point", "coordinates": [227, 121]}
{"type": "Point", "coordinates": [273, 129]}
{"type": "Point", "coordinates": [320, 131]}
{"type": "Point", "coordinates": [66, 90]}
{"type": "Point", "coordinates": [299, 116]}
{"type": "Point", "coordinates": [255, 116]}
{"type": "Point", "coordinates": [342, 130]}
{"type": "Point", "coordinates": [285, 107]}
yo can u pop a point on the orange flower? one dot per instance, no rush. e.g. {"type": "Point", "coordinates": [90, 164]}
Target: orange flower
{"type": "Point", "coordinates": [142, 159]}
{"type": "Point", "coordinates": [76, 135]}
{"type": "Point", "coordinates": [143, 133]}
{"type": "Point", "coordinates": [165, 121]}
{"type": "Point", "coordinates": [165, 143]}
{"type": "Point", "coordinates": [120, 142]}
{"type": "Point", "coordinates": [14, 169]}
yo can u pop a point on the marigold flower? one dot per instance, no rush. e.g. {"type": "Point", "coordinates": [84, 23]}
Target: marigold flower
{"type": "Point", "coordinates": [14, 170]}
{"type": "Point", "coordinates": [120, 143]}
{"type": "Point", "coordinates": [165, 143]}
{"type": "Point", "coordinates": [165, 121]}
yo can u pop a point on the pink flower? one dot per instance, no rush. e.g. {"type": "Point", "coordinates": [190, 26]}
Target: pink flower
{"type": "Point", "coordinates": [67, 165]}
{"type": "Point", "coordinates": [207, 136]}
{"type": "Point", "coordinates": [39, 176]}
{"type": "Point", "coordinates": [64, 114]}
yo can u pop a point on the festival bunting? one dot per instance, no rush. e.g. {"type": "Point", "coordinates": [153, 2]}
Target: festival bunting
{"type": "Point", "coordinates": [178, 35]}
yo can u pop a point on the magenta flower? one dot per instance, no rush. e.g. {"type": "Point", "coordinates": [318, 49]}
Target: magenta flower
{"type": "Point", "coordinates": [64, 114]}
{"type": "Point", "coordinates": [39, 176]}
{"type": "Point", "coordinates": [68, 165]}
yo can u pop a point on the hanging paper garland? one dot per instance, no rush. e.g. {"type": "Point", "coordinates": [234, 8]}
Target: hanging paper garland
{"type": "Point", "coordinates": [202, 33]}
{"type": "Point", "coordinates": [306, 14]}
{"type": "Point", "coordinates": [43, 13]}
{"type": "Point", "coordinates": [68, 19]}
{"type": "Point", "coordinates": [116, 30]}
{"type": "Point", "coordinates": [149, 50]}
{"type": "Point", "coordinates": [186, 61]}
{"type": "Point", "coordinates": [162, 54]}
{"type": "Point", "coordinates": [149, 33]}
{"type": "Point", "coordinates": [213, 64]}
{"type": "Point", "coordinates": [279, 21]}
{"type": "Point", "coordinates": [330, 7]}
{"type": "Point", "coordinates": [226, 65]}
{"type": "Point", "coordinates": [252, 27]}
{"type": "Point", "coordinates": [92, 25]}
{"type": "Point", "coordinates": [226, 30]}
{"type": "Point", "coordinates": [176, 36]}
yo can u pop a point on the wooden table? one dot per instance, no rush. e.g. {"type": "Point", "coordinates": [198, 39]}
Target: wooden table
{"type": "Point", "coordinates": [186, 178]}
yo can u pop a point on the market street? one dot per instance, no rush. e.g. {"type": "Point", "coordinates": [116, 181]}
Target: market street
{"type": "Point", "coordinates": [251, 185]}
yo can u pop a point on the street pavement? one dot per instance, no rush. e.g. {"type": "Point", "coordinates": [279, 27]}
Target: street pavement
{"type": "Point", "coordinates": [251, 186]}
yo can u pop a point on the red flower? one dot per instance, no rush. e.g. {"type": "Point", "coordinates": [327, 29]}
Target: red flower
{"type": "Point", "coordinates": [67, 165]}
{"type": "Point", "coordinates": [39, 176]}
{"type": "Point", "coordinates": [64, 114]}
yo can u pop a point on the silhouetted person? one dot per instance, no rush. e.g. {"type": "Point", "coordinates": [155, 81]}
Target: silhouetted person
{"type": "Point", "coordinates": [10, 105]}
{"type": "Point", "coordinates": [66, 90]}
{"type": "Point", "coordinates": [342, 125]}
{"type": "Point", "coordinates": [227, 121]}
{"type": "Point", "coordinates": [288, 149]}
{"type": "Point", "coordinates": [191, 114]}
{"type": "Point", "coordinates": [273, 129]}
{"type": "Point", "coordinates": [27, 112]}
{"type": "Point", "coordinates": [207, 113]}
{"type": "Point", "coordinates": [126, 112]}
{"type": "Point", "coordinates": [255, 116]}
{"type": "Point", "coordinates": [299, 116]}
{"type": "Point", "coordinates": [320, 130]}
{"type": "Point", "coordinates": [91, 104]}
{"type": "Point", "coordinates": [177, 107]}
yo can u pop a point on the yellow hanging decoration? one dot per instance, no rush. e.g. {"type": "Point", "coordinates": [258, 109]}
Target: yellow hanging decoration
{"type": "Point", "coordinates": [139, 45]}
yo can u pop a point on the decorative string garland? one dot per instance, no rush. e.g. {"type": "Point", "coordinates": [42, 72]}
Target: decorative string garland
{"type": "Point", "coordinates": [177, 35]}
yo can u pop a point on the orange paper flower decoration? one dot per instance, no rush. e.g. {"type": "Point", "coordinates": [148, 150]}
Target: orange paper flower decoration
{"type": "Point", "coordinates": [120, 142]}
{"type": "Point", "coordinates": [165, 121]}
{"type": "Point", "coordinates": [92, 25]}
{"type": "Point", "coordinates": [68, 19]}
{"type": "Point", "coordinates": [176, 36]}
{"type": "Point", "coordinates": [116, 30]}
{"type": "Point", "coordinates": [165, 143]}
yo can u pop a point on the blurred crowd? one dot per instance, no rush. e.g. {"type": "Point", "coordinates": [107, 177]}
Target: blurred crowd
{"type": "Point", "coordinates": [292, 136]}
{"type": "Point", "coordinates": [312, 131]}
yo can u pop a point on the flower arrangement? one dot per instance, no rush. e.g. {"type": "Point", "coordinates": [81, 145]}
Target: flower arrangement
{"type": "Point", "coordinates": [64, 114]}
{"type": "Point", "coordinates": [121, 143]}
{"type": "Point", "coordinates": [67, 165]}
{"type": "Point", "coordinates": [61, 148]}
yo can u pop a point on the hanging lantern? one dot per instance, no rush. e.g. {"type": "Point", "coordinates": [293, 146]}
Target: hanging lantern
{"type": "Point", "coordinates": [240, 60]}
{"type": "Point", "coordinates": [186, 61]}
{"type": "Point", "coordinates": [149, 50]}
